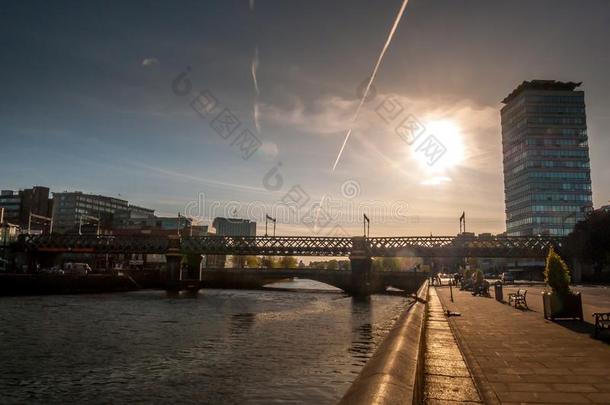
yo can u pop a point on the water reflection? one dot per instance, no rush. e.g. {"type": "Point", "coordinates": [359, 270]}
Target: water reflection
{"type": "Point", "coordinates": [362, 330]}
{"type": "Point", "coordinates": [242, 323]}
{"type": "Point", "coordinates": [226, 347]}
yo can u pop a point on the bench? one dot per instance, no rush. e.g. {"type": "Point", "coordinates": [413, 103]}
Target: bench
{"type": "Point", "coordinates": [602, 321]}
{"type": "Point", "coordinates": [518, 298]}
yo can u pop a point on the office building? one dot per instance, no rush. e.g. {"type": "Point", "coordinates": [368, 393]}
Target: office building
{"type": "Point", "coordinates": [547, 181]}
{"type": "Point", "coordinates": [18, 205]}
{"type": "Point", "coordinates": [72, 210]}
{"type": "Point", "coordinates": [234, 227]}
{"type": "Point", "coordinates": [10, 204]}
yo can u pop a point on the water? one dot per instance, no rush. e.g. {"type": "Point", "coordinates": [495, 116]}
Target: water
{"type": "Point", "coordinates": [223, 347]}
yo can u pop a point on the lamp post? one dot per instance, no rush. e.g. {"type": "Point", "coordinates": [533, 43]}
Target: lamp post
{"type": "Point", "coordinates": [463, 222]}
{"type": "Point", "coordinates": [268, 218]}
{"type": "Point", "coordinates": [366, 222]}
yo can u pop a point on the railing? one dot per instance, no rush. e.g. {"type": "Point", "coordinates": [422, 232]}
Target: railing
{"type": "Point", "coordinates": [418, 246]}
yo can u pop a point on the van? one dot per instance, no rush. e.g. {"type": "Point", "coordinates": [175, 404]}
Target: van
{"type": "Point", "coordinates": [81, 269]}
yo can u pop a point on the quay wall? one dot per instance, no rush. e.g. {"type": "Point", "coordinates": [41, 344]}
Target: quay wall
{"type": "Point", "coordinates": [394, 374]}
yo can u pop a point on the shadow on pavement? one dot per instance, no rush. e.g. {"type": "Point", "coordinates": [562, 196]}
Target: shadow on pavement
{"type": "Point", "coordinates": [584, 328]}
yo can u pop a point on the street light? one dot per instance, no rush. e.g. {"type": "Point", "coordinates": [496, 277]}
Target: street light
{"type": "Point", "coordinates": [463, 222]}
{"type": "Point", "coordinates": [268, 218]}
{"type": "Point", "coordinates": [366, 222]}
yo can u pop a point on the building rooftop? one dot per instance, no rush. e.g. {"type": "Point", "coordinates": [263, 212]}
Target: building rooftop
{"type": "Point", "coordinates": [541, 85]}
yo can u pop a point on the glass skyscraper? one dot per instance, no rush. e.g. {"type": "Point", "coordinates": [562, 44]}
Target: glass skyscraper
{"type": "Point", "coordinates": [547, 179]}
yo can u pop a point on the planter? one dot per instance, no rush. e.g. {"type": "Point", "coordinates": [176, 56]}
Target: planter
{"type": "Point", "coordinates": [562, 306]}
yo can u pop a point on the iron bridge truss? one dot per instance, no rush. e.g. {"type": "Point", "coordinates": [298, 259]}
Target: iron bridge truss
{"type": "Point", "coordinates": [416, 246]}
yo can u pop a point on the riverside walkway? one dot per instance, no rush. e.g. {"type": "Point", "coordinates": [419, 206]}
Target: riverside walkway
{"type": "Point", "coordinates": [516, 356]}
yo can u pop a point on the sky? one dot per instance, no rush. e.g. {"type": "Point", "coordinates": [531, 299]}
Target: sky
{"type": "Point", "coordinates": [130, 99]}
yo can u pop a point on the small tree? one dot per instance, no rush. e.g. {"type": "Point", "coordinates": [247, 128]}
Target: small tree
{"type": "Point", "coordinates": [557, 274]}
{"type": "Point", "coordinates": [253, 261]}
{"type": "Point", "coordinates": [288, 262]}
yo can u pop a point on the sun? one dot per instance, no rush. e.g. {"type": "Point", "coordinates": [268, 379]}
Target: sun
{"type": "Point", "coordinates": [440, 148]}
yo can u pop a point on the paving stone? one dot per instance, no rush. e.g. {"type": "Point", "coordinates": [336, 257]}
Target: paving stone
{"type": "Point", "coordinates": [518, 357]}
{"type": "Point", "coordinates": [599, 398]}
{"type": "Point", "coordinates": [450, 388]}
{"type": "Point", "coordinates": [447, 378]}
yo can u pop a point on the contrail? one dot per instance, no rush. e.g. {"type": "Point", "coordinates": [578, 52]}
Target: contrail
{"type": "Point", "coordinates": [254, 69]}
{"type": "Point", "coordinates": [372, 78]}
{"type": "Point", "coordinates": [256, 120]}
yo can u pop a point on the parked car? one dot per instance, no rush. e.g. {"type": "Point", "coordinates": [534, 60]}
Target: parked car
{"type": "Point", "coordinates": [81, 269]}
{"type": "Point", "coordinates": [52, 270]}
{"type": "Point", "coordinates": [507, 278]}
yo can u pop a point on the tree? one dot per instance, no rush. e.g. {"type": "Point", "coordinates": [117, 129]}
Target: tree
{"type": "Point", "coordinates": [589, 242]}
{"type": "Point", "coordinates": [332, 265]}
{"type": "Point", "coordinates": [557, 274]}
{"type": "Point", "coordinates": [288, 262]}
{"type": "Point", "coordinates": [253, 261]}
{"type": "Point", "coordinates": [390, 264]}
{"type": "Point", "coordinates": [269, 262]}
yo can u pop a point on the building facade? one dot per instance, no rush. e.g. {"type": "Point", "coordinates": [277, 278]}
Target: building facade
{"type": "Point", "coordinates": [234, 227]}
{"type": "Point", "coordinates": [10, 205]}
{"type": "Point", "coordinates": [73, 209]}
{"type": "Point", "coordinates": [547, 180]}
{"type": "Point", "coordinates": [18, 205]}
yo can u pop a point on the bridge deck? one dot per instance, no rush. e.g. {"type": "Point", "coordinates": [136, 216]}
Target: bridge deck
{"type": "Point", "coordinates": [417, 246]}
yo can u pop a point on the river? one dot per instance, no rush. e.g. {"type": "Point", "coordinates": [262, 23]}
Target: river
{"type": "Point", "coordinates": [221, 347]}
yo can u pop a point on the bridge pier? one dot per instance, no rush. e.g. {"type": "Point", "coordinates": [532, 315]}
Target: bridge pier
{"type": "Point", "coordinates": [173, 269]}
{"type": "Point", "coordinates": [362, 283]}
{"type": "Point", "coordinates": [177, 279]}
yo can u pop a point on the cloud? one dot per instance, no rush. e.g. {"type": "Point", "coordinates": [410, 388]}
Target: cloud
{"type": "Point", "coordinates": [435, 181]}
{"type": "Point", "coordinates": [324, 116]}
{"type": "Point", "coordinates": [147, 62]}
{"type": "Point", "coordinates": [269, 149]}
{"type": "Point", "coordinates": [376, 128]}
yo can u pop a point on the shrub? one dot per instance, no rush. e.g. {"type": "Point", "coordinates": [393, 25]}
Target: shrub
{"type": "Point", "coordinates": [556, 273]}
{"type": "Point", "coordinates": [479, 276]}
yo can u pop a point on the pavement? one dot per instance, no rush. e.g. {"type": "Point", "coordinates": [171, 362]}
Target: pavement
{"type": "Point", "coordinates": [594, 298]}
{"type": "Point", "coordinates": [516, 356]}
{"type": "Point", "coordinates": [446, 376]}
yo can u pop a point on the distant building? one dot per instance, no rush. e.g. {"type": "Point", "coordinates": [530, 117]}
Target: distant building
{"type": "Point", "coordinates": [18, 205]}
{"type": "Point", "coordinates": [11, 202]}
{"type": "Point", "coordinates": [70, 209]}
{"type": "Point", "coordinates": [234, 227]}
{"type": "Point", "coordinates": [547, 181]}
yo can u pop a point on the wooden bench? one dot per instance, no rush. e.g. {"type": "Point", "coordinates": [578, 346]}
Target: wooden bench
{"type": "Point", "coordinates": [518, 298]}
{"type": "Point", "coordinates": [602, 321]}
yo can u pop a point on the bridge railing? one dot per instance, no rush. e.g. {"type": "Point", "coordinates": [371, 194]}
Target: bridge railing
{"type": "Point", "coordinates": [422, 246]}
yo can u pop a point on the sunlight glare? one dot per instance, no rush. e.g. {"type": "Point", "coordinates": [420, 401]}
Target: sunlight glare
{"type": "Point", "coordinates": [448, 133]}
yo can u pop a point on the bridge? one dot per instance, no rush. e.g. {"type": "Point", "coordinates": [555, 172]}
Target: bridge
{"type": "Point", "coordinates": [360, 280]}
{"type": "Point", "coordinates": [395, 246]}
